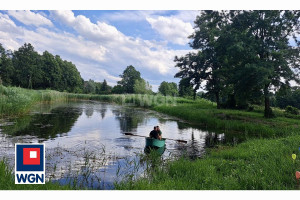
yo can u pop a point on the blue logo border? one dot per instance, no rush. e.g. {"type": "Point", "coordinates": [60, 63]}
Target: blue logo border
{"type": "Point", "coordinates": [19, 158]}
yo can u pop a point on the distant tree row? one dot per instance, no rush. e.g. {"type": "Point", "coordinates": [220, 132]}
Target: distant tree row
{"type": "Point", "coordinates": [27, 69]}
{"type": "Point", "coordinates": [288, 97]}
{"type": "Point", "coordinates": [133, 83]}
{"type": "Point", "coordinates": [168, 89]}
{"type": "Point", "coordinates": [92, 87]}
{"type": "Point", "coordinates": [243, 56]}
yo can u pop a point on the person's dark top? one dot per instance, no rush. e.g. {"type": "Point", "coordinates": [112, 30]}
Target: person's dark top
{"type": "Point", "coordinates": [154, 134]}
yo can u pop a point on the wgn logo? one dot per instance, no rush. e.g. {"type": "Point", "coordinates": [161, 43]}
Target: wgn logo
{"type": "Point", "coordinates": [30, 164]}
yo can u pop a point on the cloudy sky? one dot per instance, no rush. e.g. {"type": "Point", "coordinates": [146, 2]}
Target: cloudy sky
{"type": "Point", "coordinates": [102, 43]}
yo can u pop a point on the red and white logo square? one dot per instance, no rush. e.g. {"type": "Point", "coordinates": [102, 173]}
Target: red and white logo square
{"type": "Point", "coordinates": [31, 156]}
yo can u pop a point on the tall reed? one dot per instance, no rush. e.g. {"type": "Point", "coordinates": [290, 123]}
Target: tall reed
{"type": "Point", "coordinates": [16, 101]}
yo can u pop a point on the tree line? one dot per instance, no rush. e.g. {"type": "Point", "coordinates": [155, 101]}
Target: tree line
{"type": "Point", "coordinates": [26, 68]}
{"type": "Point", "coordinates": [243, 57]}
{"type": "Point", "coordinates": [132, 83]}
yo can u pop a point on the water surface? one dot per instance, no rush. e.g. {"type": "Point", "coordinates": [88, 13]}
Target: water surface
{"type": "Point", "coordinates": [85, 140]}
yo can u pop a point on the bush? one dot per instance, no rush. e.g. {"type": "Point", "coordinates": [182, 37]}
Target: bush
{"type": "Point", "coordinates": [251, 108]}
{"type": "Point", "coordinates": [292, 110]}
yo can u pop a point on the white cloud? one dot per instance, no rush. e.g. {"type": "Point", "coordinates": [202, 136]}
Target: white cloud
{"type": "Point", "coordinates": [95, 32]}
{"type": "Point", "coordinates": [7, 25]}
{"type": "Point", "coordinates": [187, 15]}
{"type": "Point", "coordinates": [121, 48]}
{"type": "Point", "coordinates": [65, 16]}
{"type": "Point", "coordinates": [99, 50]}
{"type": "Point", "coordinates": [172, 29]}
{"type": "Point", "coordinates": [7, 41]}
{"type": "Point", "coordinates": [141, 15]}
{"type": "Point", "coordinates": [9, 32]}
{"type": "Point", "coordinates": [30, 18]}
{"type": "Point", "coordinates": [94, 72]}
{"type": "Point", "coordinates": [65, 43]}
{"type": "Point", "coordinates": [131, 15]}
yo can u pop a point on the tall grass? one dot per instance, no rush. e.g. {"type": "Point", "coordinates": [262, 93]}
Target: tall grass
{"type": "Point", "coordinates": [7, 181]}
{"type": "Point", "coordinates": [16, 101]}
{"type": "Point", "coordinates": [139, 100]}
{"type": "Point", "coordinates": [258, 164]}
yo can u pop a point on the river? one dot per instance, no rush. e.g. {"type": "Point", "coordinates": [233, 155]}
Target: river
{"type": "Point", "coordinates": [85, 140]}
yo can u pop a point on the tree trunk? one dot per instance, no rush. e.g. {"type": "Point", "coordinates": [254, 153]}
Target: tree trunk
{"type": "Point", "coordinates": [268, 110]}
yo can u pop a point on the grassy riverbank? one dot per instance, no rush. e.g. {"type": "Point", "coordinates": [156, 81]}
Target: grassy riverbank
{"type": "Point", "coordinates": [262, 161]}
{"type": "Point", "coordinates": [250, 124]}
{"type": "Point", "coordinates": [7, 181]}
{"type": "Point", "coordinates": [260, 164]}
{"type": "Point", "coordinates": [17, 101]}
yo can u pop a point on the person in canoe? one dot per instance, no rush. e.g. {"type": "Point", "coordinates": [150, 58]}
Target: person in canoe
{"type": "Point", "coordinates": [154, 133]}
{"type": "Point", "coordinates": [159, 132]}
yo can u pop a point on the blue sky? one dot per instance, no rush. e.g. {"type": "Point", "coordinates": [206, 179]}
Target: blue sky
{"type": "Point", "coordinates": [102, 43]}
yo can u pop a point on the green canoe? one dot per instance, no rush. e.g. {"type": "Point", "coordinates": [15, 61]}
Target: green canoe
{"type": "Point", "coordinates": [151, 142]}
{"type": "Point", "coordinates": [155, 145]}
{"type": "Point", "coordinates": [158, 150]}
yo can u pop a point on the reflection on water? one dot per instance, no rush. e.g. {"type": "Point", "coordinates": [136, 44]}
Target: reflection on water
{"type": "Point", "coordinates": [86, 138]}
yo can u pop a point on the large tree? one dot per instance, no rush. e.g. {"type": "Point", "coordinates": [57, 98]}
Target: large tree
{"type": "Point", "coordinates": [52, 71]}
{"type": "Point", "coordinates": [129, 76]}
{"type": "Point", "coordinates": [193, 69]}
{"type": "Point", "coordinates": [185, 88]}
{"type": "Point", "coordinates": [71, 79]}
{"type": "Point", "coordinates": [243, 54]}
{"type": "Point", "coordinates": [276, 56]}
{"type": "Point", "coordinates": [6, 67]}
{"type": "Point", "coordinates": [28, 70]}
{"type": "Point", "coordinates": [204, 65]}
